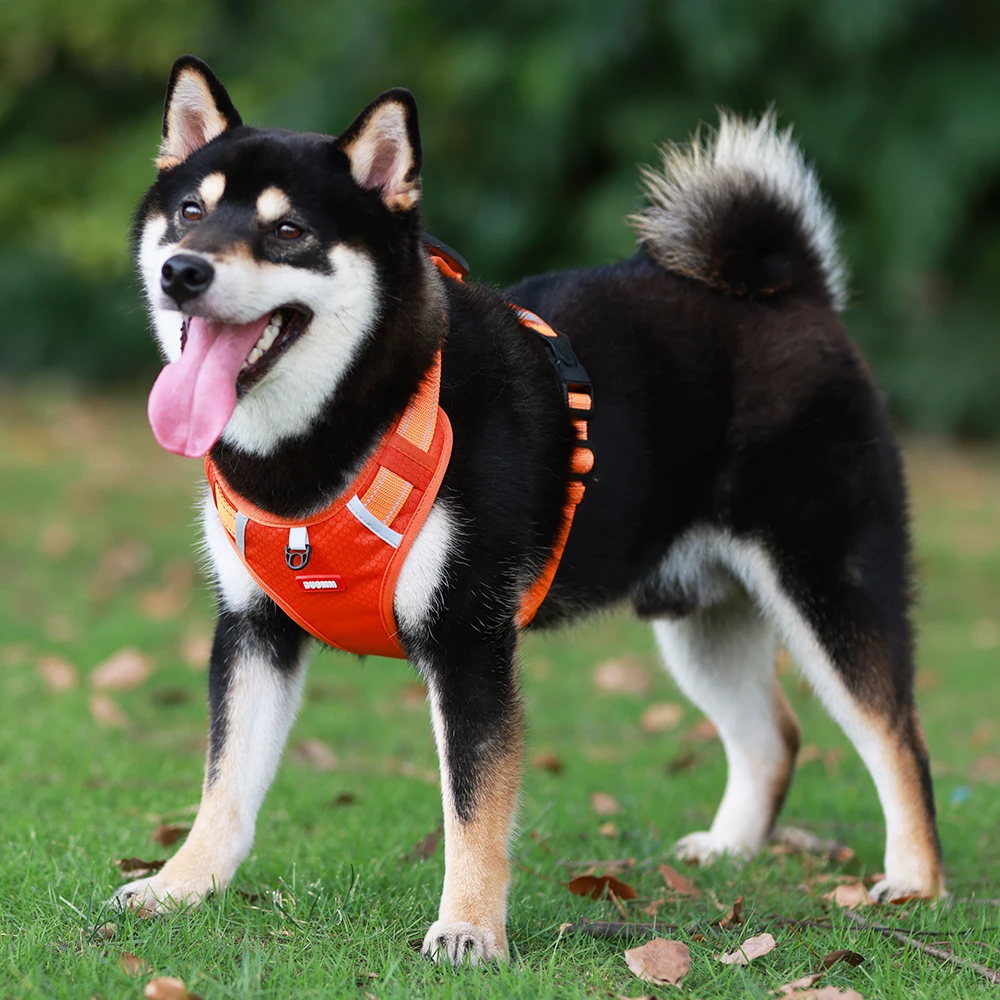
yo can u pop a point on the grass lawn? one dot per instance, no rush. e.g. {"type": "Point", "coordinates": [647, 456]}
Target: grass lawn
{"type": "Point", "coordinates": [97, 556]}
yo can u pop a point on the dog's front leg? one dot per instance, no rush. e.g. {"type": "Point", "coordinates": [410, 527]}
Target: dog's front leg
{"type": "Point", "coordinates": [476, 713]}
{"type": "Point", "coordinates": [255, 684]}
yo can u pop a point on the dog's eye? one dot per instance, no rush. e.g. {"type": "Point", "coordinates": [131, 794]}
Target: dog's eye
{"type": "Point", "coordinates": [191, 211]}
{"type": "Point", "coordinates": [289, 231]}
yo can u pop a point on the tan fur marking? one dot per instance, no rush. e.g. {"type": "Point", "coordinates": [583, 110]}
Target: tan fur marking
{"type": "Point", "coordinates": [791, 734]}
{"type": "Point", "coordinates": [211, 190]}
{"type": "Point", "coordinates": [272, 205]}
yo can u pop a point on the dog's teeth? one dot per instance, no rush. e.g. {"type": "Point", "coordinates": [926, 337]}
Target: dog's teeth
{"type": "Point", "coordinates": [255, 355]}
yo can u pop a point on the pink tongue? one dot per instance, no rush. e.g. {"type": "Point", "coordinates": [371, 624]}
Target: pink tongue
{"type": "Point", "coordinates": [194, 397]}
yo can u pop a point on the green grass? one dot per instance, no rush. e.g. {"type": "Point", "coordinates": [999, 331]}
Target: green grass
{"type": "Point", "coordinates": [341, 907]}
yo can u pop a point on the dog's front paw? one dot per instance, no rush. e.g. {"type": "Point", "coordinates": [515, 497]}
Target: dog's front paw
{"type": "Point", "coordinates": [891, 890]}
{"type": "Point", "coordinates": [159, 894]}
{"type": "Point", "coordinates": [457, 942]}
{"type": "Point", "coordinates": [705, 847]}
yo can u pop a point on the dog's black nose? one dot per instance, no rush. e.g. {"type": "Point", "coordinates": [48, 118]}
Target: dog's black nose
{"type": "Point", "coordinates": [184, 276]}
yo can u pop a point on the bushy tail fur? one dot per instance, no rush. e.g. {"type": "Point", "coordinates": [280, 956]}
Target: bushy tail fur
{"type": "Point", "coordinates": [740, 210]}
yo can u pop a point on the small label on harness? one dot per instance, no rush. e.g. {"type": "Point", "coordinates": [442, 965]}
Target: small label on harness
{"type": "Point", "coordinates": [320, 584]}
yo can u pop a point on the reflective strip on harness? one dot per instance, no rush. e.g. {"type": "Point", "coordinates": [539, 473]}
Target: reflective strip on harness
{"type": "Point", "coordinates": [372, 523]}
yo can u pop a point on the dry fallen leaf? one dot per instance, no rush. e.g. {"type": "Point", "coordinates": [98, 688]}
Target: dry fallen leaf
{"type": "Point", "coordinates": [345, 799]}
{"type": "Point", "coordinates": [595, 886]}
{"type": "Point", "coordinates": [425, 847]}
{"type": "Point", "coordinates": [168, 988]}
{"type": "Point", "coordinates": [608, 830]}
{"type": "Point", "coordinates": [829, 993]}
{"type": "Point", "coordinates": [661, 716]}
{"type": "Point", "coordinates": [792, 840]}
{"type": "Point", "coordinates": [853, 894]}
{"type": "Point", "coordinates": [117, 565]}
{"type": "Point", "coordinates": [138, 868]}
{"type": "Point", "coordinates": [802, 983]}
{"type": "Point", "coordinates": [678, 882]}
{"type": "Point", "coordinates": [842, 955]}
{"type": "Point", "coordinates": [987, 770]}
{"type": "Point", "coordinates": [660, 961]}
{"type": "Point", "coordinates": [169, 833]}
{"type": "Point", "coordinates": [752, 948]}
{"type": "Point", "coordinates": [548, 762]}
{"type": "Point", "coordinates": [57, 674]}
{"type": "Point", "coordinates": [133, 965]}
{"type": "Point", "coordinates": [127, 669]}
{"type": "Point", "coordinates": [316, 754]}
{"type": "Point", "coordinates": [57, 539]}
{"type": "Point", "coordinates": [604, 804]}
{"type": "Point", "coordinates": [105, 712]}
{"type": "Point", "coordinates": [735, 915]}
{"type": "Point", "coordinates": [702, 730]}
{"type": "Point", "coordinates": [196, 648]}
{"type": "Point", "coordinates": [621, 677]}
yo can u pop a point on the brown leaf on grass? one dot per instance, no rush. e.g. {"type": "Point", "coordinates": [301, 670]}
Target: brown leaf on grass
{"type": "Point", "coordinates": [316, 754]}
{"type": "Point", "coordinates": [734, 918]}
{"type": "Point", "coordinates": [548, 762]}
{"type": "Point", "coordinates": [828, 993]}
{"type": "Point", "coordinates": [425, 847]}
{"type": "Point", "coordinates": [57, 674]}
{"type": "Point", "coordinates": [983, 733]}
{"type": "Point", "coordinates": [660, 961]}
{"type": "Point", "coordinates": [987, 770]}
{"type": "Point", "coordinates": [608, 830]}
{"type": "Point", "coordinates": [662, 716]}
{"type": "Point", "coordinates": [133, 965]}
{"type": "Point", "coordinates": [168, 988]}
{"type": "Point", "coordinates": [345, 799]}
{"type": "Point", "coordinates": [752, 948]}
{"type": "Point", "coordinates": [106, 931]}
{"type": "Point", "coordinates": [842, 955]}
{"type": "Point", "coordinates": [413, 695]}
{"type": "Point", "coordinates": [169, 833]}
{"type": "Point", "coordinates": [596, 886]}
{"type": "Point", "coordinates": [802, 983]}
{"type": "Point", "coordinates": [853, 894]}
{"type": "Point", "coordinates": [653, 906]}
{"type": "Point", "coordinates": [105, 712]}
{"type": "Point", "coordinates": [792, 840]}
{"type": "Point", "coordinates": [604, 804]}
{"type": "Point", "coordinates": [56, 540]}
{"type": "Point", "coordinates": [196, 648]}
{"type": "Point", "coordinates": [117, 565]}
{"type": "Point", "coordinates": [684, 761]}
{"type": "Point", "coordinates": [166, 602]}
{"type": "Point", "coordinates": [621, 677]}
{"type": "Point", "coordinates": [679, 883]}
{"type": "Point", "coordinates": [126, 669]}
{"type": "Point", "coordinates": [138, 868]}
{"type": "Point", "coordinates": [702, 731]}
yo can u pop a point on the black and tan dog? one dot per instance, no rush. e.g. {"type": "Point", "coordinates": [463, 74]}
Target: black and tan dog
{"type": "Point", "coordinates": [747, 492]}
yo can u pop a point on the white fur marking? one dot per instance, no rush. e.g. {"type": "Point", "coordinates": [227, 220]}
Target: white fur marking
{"type": "Point", "coordinates": [422, 575]}
{"type": "Point", "coordinates": [211, 190]}
{"type": "Point", "coordinates": [272, 204]}
{"type": "Point", "coordinates": [237, 588]}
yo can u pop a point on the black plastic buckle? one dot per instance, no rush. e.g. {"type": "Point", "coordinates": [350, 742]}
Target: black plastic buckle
{"type": "Point", "coordinates": [297, 558]}
{"type": "Point", "coordinates": [455, 259]}
{"type": "Point", "coordinates": [572, 374]}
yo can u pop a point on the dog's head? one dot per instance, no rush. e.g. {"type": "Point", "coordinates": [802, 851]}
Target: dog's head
{"type": "Point", "coordinates": [261, 252]}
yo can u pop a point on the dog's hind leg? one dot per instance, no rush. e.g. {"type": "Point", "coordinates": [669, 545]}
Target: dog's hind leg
{"type": "Point", "coordinates": [476, 713]}
{"type": "Point", "coordinates": [723, 658]}
{"type": "Point", "coordinates": [256, 674]}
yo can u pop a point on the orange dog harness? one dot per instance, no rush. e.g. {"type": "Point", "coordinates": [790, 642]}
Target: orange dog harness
{"type": "Point", "coordinates": [335, 573]}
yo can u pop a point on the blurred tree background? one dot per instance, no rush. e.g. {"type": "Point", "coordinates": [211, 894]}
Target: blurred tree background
{"type": "Point", "coordinates": [535, 114]}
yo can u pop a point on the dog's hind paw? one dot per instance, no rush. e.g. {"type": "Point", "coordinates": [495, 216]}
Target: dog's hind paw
{"type": "Point", "coordinates": [705, 847]}
{"type": "Point", "coordinates": [888, 891]}
{"type": "Point", "coordinates": [458, 942]}
{"type": "Point", "coordinates": [157, 895]}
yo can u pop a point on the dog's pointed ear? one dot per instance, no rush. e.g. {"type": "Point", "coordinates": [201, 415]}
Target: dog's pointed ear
{"type": "Point", "coordinates": [383, 147]}
{"type": "Point", "coordinates": [197, 109]}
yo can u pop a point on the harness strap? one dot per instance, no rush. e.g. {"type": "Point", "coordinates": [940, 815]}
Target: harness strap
{"type": "Point", "coordinates": [578, 394]}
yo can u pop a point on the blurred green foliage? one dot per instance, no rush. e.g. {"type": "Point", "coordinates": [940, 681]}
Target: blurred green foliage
{"type": "Point", "coordinates": [534, 113]}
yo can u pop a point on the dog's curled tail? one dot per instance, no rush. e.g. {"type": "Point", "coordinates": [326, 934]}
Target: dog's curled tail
{"type": "Point", "coordinates": [741, 211]}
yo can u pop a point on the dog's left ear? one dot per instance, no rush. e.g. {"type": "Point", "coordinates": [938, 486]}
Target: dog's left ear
{"type": "Point", "coordinates": [383, 147]}
{"type": "Point", "coordinates": [196, 111]}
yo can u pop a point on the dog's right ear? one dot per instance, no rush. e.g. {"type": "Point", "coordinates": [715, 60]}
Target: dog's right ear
{"type": "Point", "coordinates": [196, 111]}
